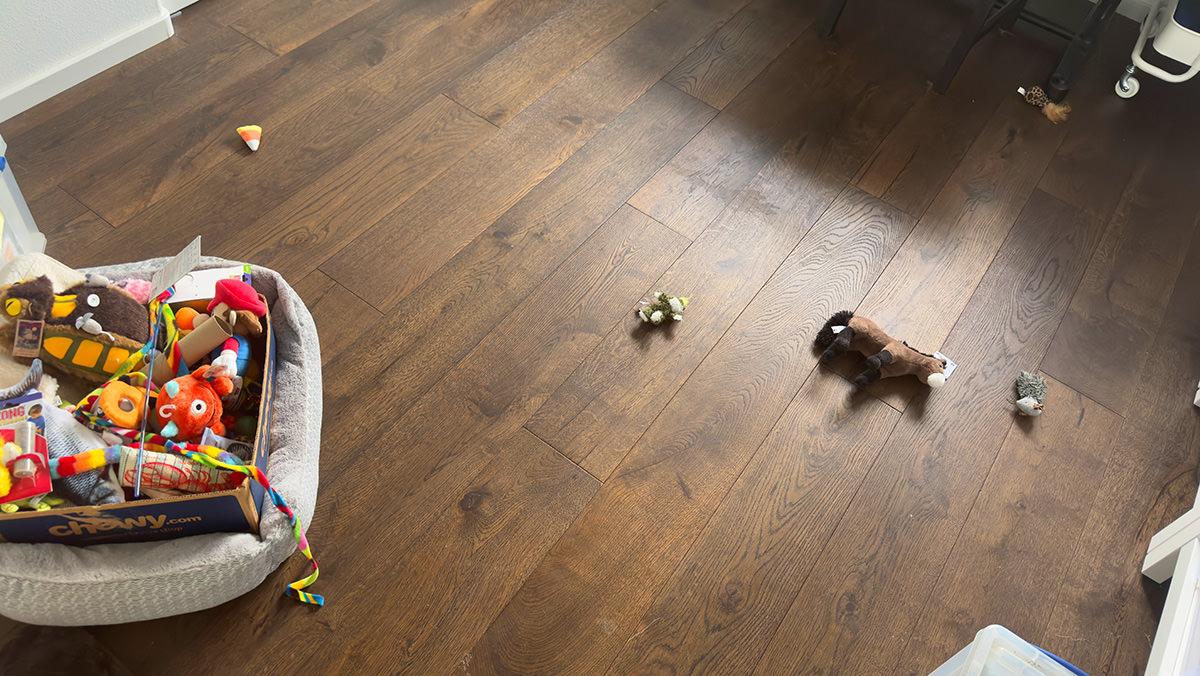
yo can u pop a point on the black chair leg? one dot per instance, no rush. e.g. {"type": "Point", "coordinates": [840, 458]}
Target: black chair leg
{"type": "Point", "coordinates": [1083, 44]}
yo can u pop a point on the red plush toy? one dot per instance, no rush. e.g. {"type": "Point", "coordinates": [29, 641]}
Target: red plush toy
{"type": "Point", "coordinates": [190, 404]}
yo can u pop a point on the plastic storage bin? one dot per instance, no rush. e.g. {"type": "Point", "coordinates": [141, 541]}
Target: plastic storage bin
{"type": "Point", "coordinates": [18, 234]}
{"type": "Point", "coordinates": [997, 651]}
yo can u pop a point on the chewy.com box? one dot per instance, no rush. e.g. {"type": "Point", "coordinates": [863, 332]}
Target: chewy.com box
{"type": "Point", "coordinates": [235, 510]}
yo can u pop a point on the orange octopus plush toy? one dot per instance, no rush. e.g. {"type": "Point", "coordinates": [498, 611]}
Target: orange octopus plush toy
{"type": "Point", "coordinates": [190, 404]}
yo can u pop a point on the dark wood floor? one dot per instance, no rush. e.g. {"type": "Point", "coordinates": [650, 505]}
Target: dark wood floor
{"type": "Point", "coordinates": [472, 196]}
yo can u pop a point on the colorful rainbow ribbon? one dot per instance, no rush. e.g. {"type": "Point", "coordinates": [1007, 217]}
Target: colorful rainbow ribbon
{"type": "Point", "coordinates": [296, 588]}
{"type": "Point", "coordinates": [205, 455]}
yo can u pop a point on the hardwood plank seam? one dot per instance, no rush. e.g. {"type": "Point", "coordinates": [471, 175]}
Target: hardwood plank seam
{"type": "Point", "coordinates": [871, 156]}
{"type": "Point", "coordinates": [749, 302]}
{"type": "Point", "coordinates": [1158, 329]}
{"type": "Point", "coordinates": [1088, 266]}
{"type": "Point", "coordinates": [991, 260]}
{"type": "Point", "coordinates": [658, 221]}
{"type": "Point", "coordinates": [560, 453]}
{"type": "Point", "coordinates": [683, 559]}
{"type": "Point", "coordinates": [1058, 590]}
{"type": "Point", "coordinates": [425, 391]}
{"type": "Point", "coordinates": [840, 517]}
{"type": "Point", "coordinates": [247, 38]}
{"type": "Point", "coordinates": [501, 607]}
{"type": "Point", "coordinates": [467, 108]}
{"type": "Point", "coordinates": [953, 546]}
{"type": "Point", "coordinates": [76, 200]}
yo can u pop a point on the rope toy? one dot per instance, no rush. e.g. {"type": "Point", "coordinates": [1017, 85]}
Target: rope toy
{"type": "Point", "coordinates": [1036, 97]}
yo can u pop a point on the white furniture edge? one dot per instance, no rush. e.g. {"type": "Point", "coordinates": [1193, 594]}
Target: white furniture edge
{"type": "Point", "coordinates": [1179, 613]}
{"type": "Point", "coordinates": [1166, 543]}
{"type": "Point", "coordinates": [33, 91]}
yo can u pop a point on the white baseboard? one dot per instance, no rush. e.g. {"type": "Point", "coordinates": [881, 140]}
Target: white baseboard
{"type": "Point", "coordinates": [33, 91]}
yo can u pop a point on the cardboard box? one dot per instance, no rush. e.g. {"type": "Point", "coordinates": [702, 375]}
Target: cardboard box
{"type": "Point", "coordinates": [236, 510]}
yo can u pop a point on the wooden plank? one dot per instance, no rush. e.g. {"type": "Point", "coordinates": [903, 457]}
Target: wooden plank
{"type": "Point", "coordinates": [464, 568]}
{"type": "Point", "coordinates": [387, 262]}
{"type": "Point", "coordinates": [126, 115]}
{"type": "Point", "coordinates": [70, 228]}
{"type": "Point", "coordinates": [325, 214]}
{"type": "Point", "coordinates": [201, 138]}
{"type": "Point", "coordinates": [57, 650]}
{"type": "Point", "coordinates": [1026, 522]}
{"type": "Point", "coordinates": [526, 69]}
{"type": "Point", "coordinates": [98, 86]}
{"type": "Point", "coordinates": [691, 191]}
{"type": "Point", "coordinates": [911, 165]}
{"type": "Point", "coordinates": [606, 405]}
{"type": "Point", "coordinates": [587, 596]}
{"type": "Point", "coordinates": [283, 26]}
{"type": "Point", "coordinates": [1107, 138]}
{"type": "Point", "coordinates": [865, 594]}
{"type": "Point", "coordinates": [1108, 333]}
{"type": "Point", "coordinates": [857, 83]}
{"type": "Point", "coordinates": [923, 291]}
{"type": "Point", "coordinates": [225, 13]}
{"type": "Point", "coordinates": [340, 316]}
{"type": "Point", "coordinates": [434, 328]}
{"type": "Point", "coordinates": [1105, 613]}
{"type": "Point", "coordinates": [717, 612]}
{"type": "Point", "coordinates": [435, 451]}
{"type": "Point", "coordinates": [444, 584]}
{"type": "Point", "coordinates": [516, 366]}
{"type": "Point", "coordinates": [739, 50]}
{"type": "Point", "coordinates": [286, 187]}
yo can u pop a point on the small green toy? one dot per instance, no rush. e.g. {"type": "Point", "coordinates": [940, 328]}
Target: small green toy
{"type": "Point", "coordinates": [1031, 394]}
{"type": "Point", "coordinates": [43, 503]}
{"type": "Point", "coordinates": [664, 306]}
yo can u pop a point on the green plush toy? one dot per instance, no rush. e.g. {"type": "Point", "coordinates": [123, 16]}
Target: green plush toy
{"type": "Point", "coordinates": [663, 307]}
{"type": "Point", "coordinates": [1031, 394]}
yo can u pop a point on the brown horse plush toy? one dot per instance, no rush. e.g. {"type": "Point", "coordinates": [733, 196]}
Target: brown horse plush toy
{"type": "Point", "coordinates": [886, 356]}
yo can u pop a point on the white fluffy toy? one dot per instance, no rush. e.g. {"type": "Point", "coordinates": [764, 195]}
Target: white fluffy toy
{"type": "Point", "coordinates": [662, 308]}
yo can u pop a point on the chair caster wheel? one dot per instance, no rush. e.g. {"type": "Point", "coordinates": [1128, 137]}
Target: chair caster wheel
{"type": "Point", "coordinates": [1127, 87]}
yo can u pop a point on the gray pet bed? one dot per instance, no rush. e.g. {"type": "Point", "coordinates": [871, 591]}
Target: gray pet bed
{"type": "Point", "coordinates": [108, 584]}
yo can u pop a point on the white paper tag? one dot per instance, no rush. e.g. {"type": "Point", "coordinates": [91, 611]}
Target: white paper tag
{"type": "Point", "coordinates": [837, 329]}
{"type": "Point", "coordinates": [950, 366]}
{"type": "Point", "coordinates": [176, 268]}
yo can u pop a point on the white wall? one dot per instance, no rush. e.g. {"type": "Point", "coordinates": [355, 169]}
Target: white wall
{"type": "Point", "coordinates": [47, 46]}
{"type": "Point", "coordinates": [1134, 9]}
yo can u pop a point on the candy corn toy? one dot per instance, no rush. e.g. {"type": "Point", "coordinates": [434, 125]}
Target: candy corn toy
{"type": "Point", "coordinates": [251, 134]}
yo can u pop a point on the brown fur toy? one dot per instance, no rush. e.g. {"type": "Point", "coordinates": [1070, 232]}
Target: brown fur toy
{"type": "Point", "coordinates": [1055, 112]}
{"type": "Point", "coordinates": [90, 329]}
{"type": "Point", "coordinates": [886, 356]}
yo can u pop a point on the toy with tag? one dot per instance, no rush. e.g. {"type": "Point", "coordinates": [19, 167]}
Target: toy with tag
{"type": "Point", "coordinates": [89, 329]}
{"type": "Point", "coordinates": [26, 463]}
{"type": "Point", "coordinates": [886, 356]}
{"type": "Point", "coordinates": [189, 404]}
